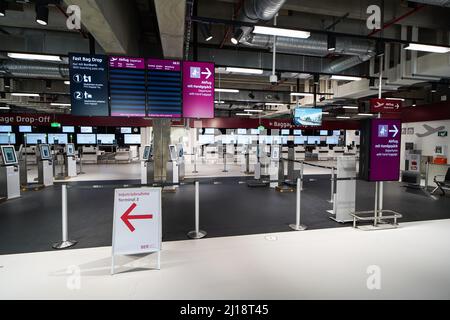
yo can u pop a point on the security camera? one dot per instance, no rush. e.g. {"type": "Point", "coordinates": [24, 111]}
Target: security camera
{"type": "Point", "coordinates": [273, 79]}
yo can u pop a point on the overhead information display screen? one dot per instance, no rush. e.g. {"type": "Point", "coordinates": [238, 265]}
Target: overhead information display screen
{"type": "Point", "coordinates": [61, 138]}
{"type": "Point", "coordinates": [132, 138]}
{"type": "Point", "coordinates": [88, 84]}
{"type": "Point", "coordinates": [106, 138]}
{"type": "Point", "coordinates": [86, 138]}
{"type": "Point", "coordinates": [34, 138]}
{"type": "Point", "coordinates": [5, 128]}
{"type": "Point", "coordinates": [164, 88]}
{"type": "Point", "coordinates": [198, 89]}
{"type": "Point", "coordinates": [127, 86]}
{"type": "Point", "coordinates": [25, 129]}
{"type": "Point", "coordinates": [7, 138]}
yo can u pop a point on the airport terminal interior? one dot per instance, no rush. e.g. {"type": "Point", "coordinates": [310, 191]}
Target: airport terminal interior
{"type": "Point", "coordinates": [177, 149]}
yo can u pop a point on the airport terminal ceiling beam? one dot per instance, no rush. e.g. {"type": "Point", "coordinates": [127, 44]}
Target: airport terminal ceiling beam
{"type": "Point", "coordinates": [112, 23]}
{"type": "Point", "coordinates": [171, 22]}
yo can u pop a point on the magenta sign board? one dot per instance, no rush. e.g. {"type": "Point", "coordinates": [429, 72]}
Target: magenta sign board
{"type": "Point", "coordinates": [385, 150]}
{"type": "Point", "coordinates": [126, 63]}
{"type": "Point", "coordinates": [198, 89]}
{"type": "Point", "coordinates": [163, 65]}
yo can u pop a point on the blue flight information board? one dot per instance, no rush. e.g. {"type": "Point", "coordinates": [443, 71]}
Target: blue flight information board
{"type": "Point", "coordinates": [88, 84]}
{"type": "Point", "coordinates": [127, 87]}
{"type": "Point", "coordinates": [164, 88]}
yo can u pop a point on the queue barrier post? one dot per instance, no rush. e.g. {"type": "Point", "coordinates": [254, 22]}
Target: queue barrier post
{"type": "Point", "coordinates": [297, 226]}
{"type": "Point", "coordinates": [333, 173]}
{"type": "Point", "coordinates": [65, 242]}
{"type": "Point", "coordinates": [197, 233]}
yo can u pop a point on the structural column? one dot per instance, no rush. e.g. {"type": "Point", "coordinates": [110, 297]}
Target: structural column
{"type": "Point", "coordinates": [161, 142]}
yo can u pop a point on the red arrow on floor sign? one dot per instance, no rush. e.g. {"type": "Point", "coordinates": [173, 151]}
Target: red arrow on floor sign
{"type": "Point", "coordinates": [126, 217]}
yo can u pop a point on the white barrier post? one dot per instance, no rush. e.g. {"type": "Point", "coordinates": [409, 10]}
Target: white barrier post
{"type": "Point", "coordinates": [297, 226]}
{"type": "Point", "coordinates": [301, 175]}
{"type": "Point", "coordinates": [65, 242]}
{"type": "Point", "coordinates": [197, 233]}
{"type": "Point", "coordinates": [332, 185]}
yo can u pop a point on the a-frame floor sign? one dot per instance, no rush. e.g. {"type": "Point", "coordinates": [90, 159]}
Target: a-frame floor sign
{"type": "Point", "coordinates": [137, 223]}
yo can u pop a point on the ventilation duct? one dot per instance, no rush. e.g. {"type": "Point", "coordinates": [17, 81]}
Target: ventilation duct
{"type": "Point", "coordinates": [316, 45]}
{"type": "Point", "coordinates": [34, 69]}
{"type": "Point", "coordinates": [440, 3]}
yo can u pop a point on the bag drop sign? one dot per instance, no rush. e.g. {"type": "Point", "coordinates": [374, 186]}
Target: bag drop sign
{"type": "Point", "coordinates": [137, 221]}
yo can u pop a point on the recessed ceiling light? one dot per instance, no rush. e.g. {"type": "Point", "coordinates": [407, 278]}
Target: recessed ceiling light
{"type": "Point", "coordinates": [244, 70]}
{"type": "Point", "coordinates": [342, 117]}
{"type": "Point", "coordinates": [427, 48]}
{"type": "Point", "coordinates": [365, 114]}
{"type": "Point", "coordinates": [349, 107]}
{"type": "Point", "coordinates": [60, 104]}
{"type": "Point", "coordinates": [226, 90]}
{"type": "Point", "coordinates": [253, 110]}
{"type": "Point", "coordinates": [304, 94]}
{"type": "Point", "coordinates": [19, 94]}
{"type": "Point", "coordinates": [349, 78]}
{"type": "Point", "coordinates": [31, 56]}
{"type": "Point", "coordinates": [281, 32]}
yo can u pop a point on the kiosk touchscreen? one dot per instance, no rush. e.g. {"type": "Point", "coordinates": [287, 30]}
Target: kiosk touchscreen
{"type": "Point", "coordinates": [172, 165]}
{"type": "Point", "coordinates": [70, 161]}
{"type": "Point", "coordinates": [181, 165]}
{"type": "Point", "coordinates": [45, 165]}
{"type": "Point", "coordinates": [9, 173]}
{"type": "Point", "coordinates": [274, 165]}
{"type": "Point", "coordinates": [147, 165]}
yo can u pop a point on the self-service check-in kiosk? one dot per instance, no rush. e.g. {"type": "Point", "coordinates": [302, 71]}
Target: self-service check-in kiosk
{"type": "Point", "coordinates": [70, 160]}
{"type": "Point", "coordinates": [274, 166]}
{"type": "Point", "coordinates": [45, 165]}
{"type": "Point", "coordinates": [172, 169]}
{"type": "Point", "coordinates": [9, 173]}
{"type": "Point", "coordinates": [181, 164]}
{"type": "Point", "coordinates": [21, 154]}
{"type": "Point", "coordinates": [147, 166]}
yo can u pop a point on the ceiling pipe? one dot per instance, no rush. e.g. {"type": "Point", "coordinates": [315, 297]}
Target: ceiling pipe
{"type": "Point", "coordinates": [34, 69]}
{"type": "Point", "coordinates": [439, 3]}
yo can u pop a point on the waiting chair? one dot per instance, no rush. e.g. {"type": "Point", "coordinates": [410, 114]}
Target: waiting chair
{"type": "Point", "coordinates": [443, 185]}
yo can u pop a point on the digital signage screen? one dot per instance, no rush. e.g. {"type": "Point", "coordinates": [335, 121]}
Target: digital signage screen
{"type": "Point", "coordinates": [125, 130]}
{"type": "Point", "coordinates": [60, 137]}
{"type": "Point", "coordinates": [336, 132]}
{"type": "Point", "coordinates": [25, 129]}
{"type": "Point", "coordinates": [127, 86]}
{"type": "Point", "coordinates": [308, 116]}
{"type": "Point", "coordinates": [241, 131]}
{"type": "Point", "coordinates": [132, 139]}
{"type": "Point", "coordinates": [86, 129]}
{"type": "Point", "coordinates": [106, 138]}
{"type": "Point", "coordinates": [333, 140]}
{"type": "Point", "coordinates": [323, 132]}
{"type": "Point", "coordinates": [314, 140]}
{"type": "Point", "coordinates": [385, 150]}
{"type": "Point", "coordinates": [198, 89]}
{"type": "Point", "coordinates": [86, 138]}
{"type": "Point", "coordinates": [297, 132]}
{"type": "Point", "coordinates": [300, 140]}
{"type": "Point", "coordinates": [164, 88]}
{"type": "Point", "coordinates": [88, 84]}
{"type": "Point", "coordinates": [68, 129]}
{"type": "Point", "coordinates": [5, 129]}
{"type": "Point", "coordinates": [34, 138]}
{"type": "Point", "coordinates": [285, 132]}
{"type": "Point", "coordinates": [7, 138]}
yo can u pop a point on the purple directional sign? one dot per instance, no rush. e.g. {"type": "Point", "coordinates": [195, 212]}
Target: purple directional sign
{"type": "Point", "coordinates": [198, 89]}
{"type": "Point", "coordinates": [385, 150]}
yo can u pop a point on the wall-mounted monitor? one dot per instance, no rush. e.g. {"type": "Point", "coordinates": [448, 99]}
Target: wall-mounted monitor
{"type": "Point", "coordinates": [86, 138]}
{"type": "Point", "coordinates": [70, 149]}
{"type": "Point", "coordinates": [106, 138]}
{"type": "Point", "coordinates": [125, 130]}
{"type": "Point", "coordinates": [209, 131]}
{"type": "Point", "coordinates": [35, 138]}
{"type": "Point", "coordinates": [297, 132]}
{"type": "Point", "coordinates": [300, 140]}
{"type": "Point", "coordinates": [25, 129]}
{"type": "Point", "coordinates": [285, 132]}
{"type": "Point", "coordinates": [132, 139]}
{"type": "Point", "coordinates": [336, 132]}
{"type": "Point", "coordinates": [61, 138]}
{"type": "Point", "coordinates": [44, 151]}
{"type": "Point", "coordinates": [333, 140]}
{"type": "Point", "coordinates": [5, 129]}
{"type": "Point", "coordinates": [314, 140]}
{"type": "Point", "coordinates": [86, 129]}
{"type": "Point", "coordinates": [323, 132]}
{"type": "Point", "coordinates": [254, 131]}
{"type": "Point", "coordinates": [7, 138]}
{"type": "Point", "coordinates": [308, 117]}
{"type": "Point", "coordinates": [68, 129]}
{"type": "Point", "coordinates": [9, 155]}
{"type": "Point", "coordinates": [241, 131]}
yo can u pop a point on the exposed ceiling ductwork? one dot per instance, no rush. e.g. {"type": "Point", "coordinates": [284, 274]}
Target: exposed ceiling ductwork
{"type": "Point", "coordinates": [34, 69]}
{"type": "Point", "coordinates": [440, 3]}
{"type": "Point", "coordinates": [316, 45]}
